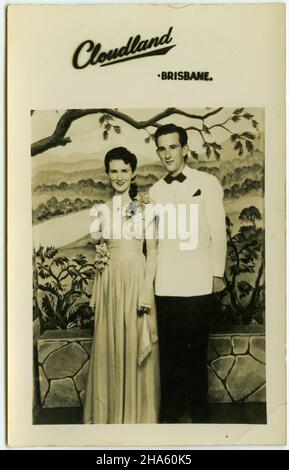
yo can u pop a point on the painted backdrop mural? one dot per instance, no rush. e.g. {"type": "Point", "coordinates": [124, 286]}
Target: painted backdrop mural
{"type": "Point", "coordinates": [68, 178]}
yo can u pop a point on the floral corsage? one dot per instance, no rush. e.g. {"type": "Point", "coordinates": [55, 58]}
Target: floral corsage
{"type": "Point", "coordinates": [137, 205]}
{"type": "Point", "coordinates": [102, 256]}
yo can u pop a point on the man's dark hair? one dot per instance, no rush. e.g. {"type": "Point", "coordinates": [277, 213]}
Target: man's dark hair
{"type": "Point", "coordinates": [169, 129]}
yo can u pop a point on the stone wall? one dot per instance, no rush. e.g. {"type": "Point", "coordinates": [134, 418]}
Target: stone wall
{"type": "Point", "coordinates": [236, 367]}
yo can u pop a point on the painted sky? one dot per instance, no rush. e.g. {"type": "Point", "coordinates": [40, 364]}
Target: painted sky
{"type": "Point", "coordinates": [87, 140]}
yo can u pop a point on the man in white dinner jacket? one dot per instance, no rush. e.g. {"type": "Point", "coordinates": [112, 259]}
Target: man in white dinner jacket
{"type": "Point", "coordinates": [186, 279]}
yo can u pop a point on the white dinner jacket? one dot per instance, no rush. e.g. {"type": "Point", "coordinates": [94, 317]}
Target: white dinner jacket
{"type": "Point", "coordinates": [187, 273]}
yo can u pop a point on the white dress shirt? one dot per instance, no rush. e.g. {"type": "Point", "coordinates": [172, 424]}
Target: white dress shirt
{"type": "Point", "coordinates": [187, 273]}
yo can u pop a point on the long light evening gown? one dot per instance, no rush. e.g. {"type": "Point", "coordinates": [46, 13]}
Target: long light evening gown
{"type": "Point", "coordinates": [123, 380]}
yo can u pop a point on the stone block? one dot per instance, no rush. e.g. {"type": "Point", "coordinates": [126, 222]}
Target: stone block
{"type": "Point", "coordinates": [72, 334]}
{"type": "Point", "coordinates": [246, 376]}
{"type": "Point", "coordinates": [223, 365]}
{"type": "Point", "coordinates": [217, 391]}
{"type": "Point", "coordinates": [211, 353]}
{"type": "Point", "coordinates": [43, 384]}
{"type": "Point", "coordinates": [47, 347]}
{"type": "Point", "coordinates": [62, 393]}
{"type": "Point", "coordinates": [257, 348]}
{"type": "Point", "coordinates": [240, 344]}
{"type": "Point", "coordinates": [87, 346]}
{"type": "Point", "coordinates": [81, 377]}
{"type": "Point", "coordinates": [65, 362]}
{"type": "Point", "coordinates": [222, 344]}
{"type": "Point", "coordinates": [258, 396]}
{"type": "Point", "coordinates": [82, 397]}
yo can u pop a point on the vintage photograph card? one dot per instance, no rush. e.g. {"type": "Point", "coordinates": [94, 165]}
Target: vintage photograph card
{"type": "Point", "coordinates": [146, 225]}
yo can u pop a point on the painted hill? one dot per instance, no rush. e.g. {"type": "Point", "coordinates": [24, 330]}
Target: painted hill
{"type": "Point", "coordinates": [61, 188]}
{"type": "Point", "coordinates": [55, 172]}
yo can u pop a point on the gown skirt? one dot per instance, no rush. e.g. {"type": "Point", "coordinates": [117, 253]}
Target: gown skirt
{"type": "Point", "coordinates": [123, 384]}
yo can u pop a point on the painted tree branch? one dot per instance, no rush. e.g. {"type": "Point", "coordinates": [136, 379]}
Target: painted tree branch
{"type": "Point", "coordinates": [231, 285]}
{"type": "Point", "coordinates": [233, 296]}
{"type": "Point", "coordinates": [58, 138]}
{"type": "Point", "coordinates": [48, 143]}
{"type": "Point", "coordinates": [256, 291]}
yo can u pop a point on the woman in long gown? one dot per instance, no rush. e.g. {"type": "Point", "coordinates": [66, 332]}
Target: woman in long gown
{"type": "Point", "coordinates": [123, 378]}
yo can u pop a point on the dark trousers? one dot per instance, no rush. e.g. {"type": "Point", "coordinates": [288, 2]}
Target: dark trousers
{"type": "Point", "coordinates": [183, 325]}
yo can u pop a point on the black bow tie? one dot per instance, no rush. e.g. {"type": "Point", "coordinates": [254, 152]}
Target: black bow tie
{"type": "Point", "coordinates": [180, 177]}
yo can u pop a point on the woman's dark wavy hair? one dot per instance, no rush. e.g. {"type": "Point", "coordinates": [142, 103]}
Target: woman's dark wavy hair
{"type": "Point", "coordinates": [122, 153]}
